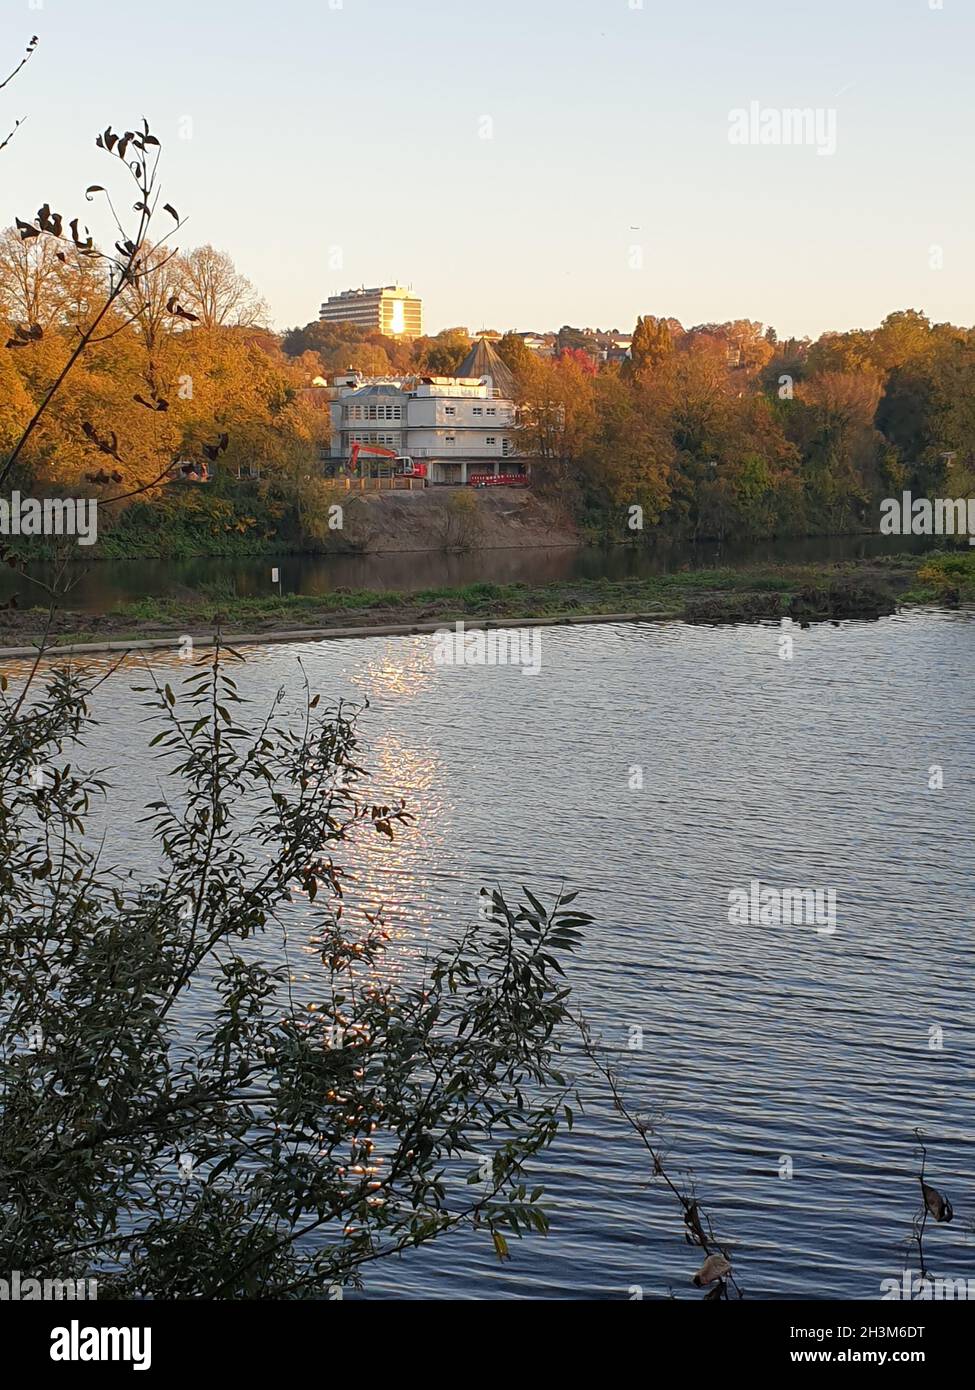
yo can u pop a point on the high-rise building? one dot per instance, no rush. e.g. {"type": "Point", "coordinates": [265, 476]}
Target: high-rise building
{"type": "Point", "coordinates": [388, 309]}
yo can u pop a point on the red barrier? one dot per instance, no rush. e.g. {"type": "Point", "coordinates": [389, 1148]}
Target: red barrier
{"type": "Point", "coordinates": [498, 480]}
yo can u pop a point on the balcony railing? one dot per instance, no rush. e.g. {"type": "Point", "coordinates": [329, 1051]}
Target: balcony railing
{"type": "Point", "coordinates": [484, 451]}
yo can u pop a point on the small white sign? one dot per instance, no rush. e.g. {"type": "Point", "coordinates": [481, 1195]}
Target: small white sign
{"type": "Point", "coordinates": [274, 576]}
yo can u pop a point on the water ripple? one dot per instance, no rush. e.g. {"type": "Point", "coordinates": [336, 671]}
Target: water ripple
{"type": "Point", "coordinates": [760, 1044]}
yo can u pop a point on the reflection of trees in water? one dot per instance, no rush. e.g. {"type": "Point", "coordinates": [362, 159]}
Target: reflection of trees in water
{"type": "Point", "coordinates": [101, 585]}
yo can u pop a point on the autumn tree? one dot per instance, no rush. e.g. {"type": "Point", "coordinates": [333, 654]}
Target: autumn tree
{"type": "Point", "coordinates": [342, 347]}
{"type": "Point", "coordinates": [514, 354]}
{"type": "Point", "coordinates": [904, 336]}
{"type": "Point", "coordinates": [30, 280]}
{"type": "Point", "coordinates": [569, 337]}
{"type": "Point", "coordinates": [927, 412]}
{"type": "Point", "coordinates": [629, 456]}
{"type": "Point", "coordinates": [557, 420]}
{"type": "Point", "coordinates": [843, 353]}
{"type": "Point", "coordinates": [651, 343]}
{"type": "Point", "coordinates": [154, 380]}
{"type": "Point", "coordinates": [213, 289]}
{"type": "Point", "coordinates": [842, 451]}
{"type": "Point", "coordinates": [16, 406]}
{"type": "Point", "coordinates": [731, 458]}
{"type": "Point", "coordinates": [442, 355]}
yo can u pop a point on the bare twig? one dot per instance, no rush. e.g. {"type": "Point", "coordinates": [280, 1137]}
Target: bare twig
{"type": "Point", "coordinates": [716, 1270]}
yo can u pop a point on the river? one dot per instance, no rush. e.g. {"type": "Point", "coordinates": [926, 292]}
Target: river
{"type": "Point", "coordinates": [764, 1048]}
{"type": "Point", "coordinates": [99, 586]}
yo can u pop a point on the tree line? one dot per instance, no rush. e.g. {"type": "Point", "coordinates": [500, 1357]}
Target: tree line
{"type": "Point", "coordinates": [714, 430]}
{"type": "Point", "coordinates": [213, 365]}
{"type": "Point", "coordinates": [721, 429]}
{"type": "Point", "coordinates": [180, 361]}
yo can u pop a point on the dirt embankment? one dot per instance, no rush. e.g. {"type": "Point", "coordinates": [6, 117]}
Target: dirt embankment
{"type": "Point", "coordinates": [455, 518]}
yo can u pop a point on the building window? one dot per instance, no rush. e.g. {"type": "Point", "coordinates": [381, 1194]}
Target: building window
{"type": "Point", "coordinates": [449, 410]}
{"type": "Point", "coordinates": [388, 440]}
{"type": "Point", "coordinates": [478, 410]}
{"type": "Point", "coordinates": [490, 439]}
{"type": "Point", "coordinates": [505, 446]}
{"type": "Point", "coordinates": [450, 439]}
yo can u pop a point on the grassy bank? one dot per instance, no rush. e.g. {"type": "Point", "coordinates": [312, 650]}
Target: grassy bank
{"type": "Point", "coordinates": [805, 592]}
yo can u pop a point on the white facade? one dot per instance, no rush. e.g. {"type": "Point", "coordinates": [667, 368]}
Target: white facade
{"type": "Point", "coordinates": [455, 425]}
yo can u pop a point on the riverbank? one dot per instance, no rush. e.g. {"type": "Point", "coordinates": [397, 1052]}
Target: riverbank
{"type": "Point", "coordinates": [239, 520]}
{"type": "Point", "coordinates": [804, 592]}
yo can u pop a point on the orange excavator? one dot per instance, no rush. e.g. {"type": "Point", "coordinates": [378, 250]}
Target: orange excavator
{"type": "Point", "coordinates": [403, 465]}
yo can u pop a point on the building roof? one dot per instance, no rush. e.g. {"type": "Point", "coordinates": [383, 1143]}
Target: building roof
{"type": "Point", "coordinates": [375, 289]}
{"type": "Point", "coordinates": [483, 360]}
{"type": "Point", "coordinates": [383, 390]}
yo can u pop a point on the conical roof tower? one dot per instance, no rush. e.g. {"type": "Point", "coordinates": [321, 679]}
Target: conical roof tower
{"type": "Point", "coordinates": [483, 360]}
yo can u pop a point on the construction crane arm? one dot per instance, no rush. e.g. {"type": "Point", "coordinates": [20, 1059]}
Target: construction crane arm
{"type": "Point", "coordinates": [358, 449]}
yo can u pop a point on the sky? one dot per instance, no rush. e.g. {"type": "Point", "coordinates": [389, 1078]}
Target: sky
{"type": "Point", "coordinates": [529, 163]}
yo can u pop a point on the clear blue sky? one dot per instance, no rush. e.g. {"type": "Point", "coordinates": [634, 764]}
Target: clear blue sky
{"type": "Point", "coordinates": [359, 126]}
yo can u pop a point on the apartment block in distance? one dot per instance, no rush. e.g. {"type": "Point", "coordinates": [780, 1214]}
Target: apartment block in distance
{"type": "Point", "coordinates": [388, 309]}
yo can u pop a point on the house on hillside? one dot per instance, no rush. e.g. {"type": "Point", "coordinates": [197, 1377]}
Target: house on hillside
{"type": "Point", "coordinates": [456, 425]}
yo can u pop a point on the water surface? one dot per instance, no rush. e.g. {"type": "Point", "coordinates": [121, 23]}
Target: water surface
{"type": "Point", "coordinates": [759, 1044]}
{"type": "Point", "coordinates": [99, 586]}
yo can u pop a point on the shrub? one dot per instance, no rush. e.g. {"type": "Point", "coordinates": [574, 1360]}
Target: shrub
{"type": "Point", "coordinates": [305, 1131]}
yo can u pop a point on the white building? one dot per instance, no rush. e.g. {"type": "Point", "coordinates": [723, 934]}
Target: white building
{"type": "Point", "coordinates": [455, 425]}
